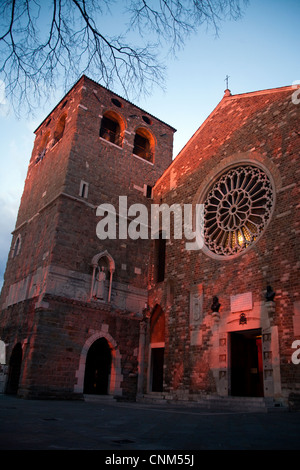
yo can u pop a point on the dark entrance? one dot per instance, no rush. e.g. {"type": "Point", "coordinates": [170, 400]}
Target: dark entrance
{"type": "Point", "coordinates": [14, 369]}
{"type": "Point", "coordinates": [157, 341]}
{"type": "Point", "coordinates": [157, 369]}
{"type": "Point", "coordinates": [246, 364]}
{"type": "Point", "coordinates": [97, 368]}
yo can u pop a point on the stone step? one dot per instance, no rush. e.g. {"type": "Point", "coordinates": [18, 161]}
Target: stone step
{"type": "Point", "coordinates": [98, 398]}
{"type": "Point", "coordinates": [245, 404]}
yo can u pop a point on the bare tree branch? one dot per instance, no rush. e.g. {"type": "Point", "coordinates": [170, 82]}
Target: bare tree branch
{"type": "Point", "coordinates": [42, 41]}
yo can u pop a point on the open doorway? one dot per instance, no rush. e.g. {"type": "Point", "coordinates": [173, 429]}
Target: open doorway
{"type": "Point", "coordinates": [157, 366]}
{"type": "Point", "coordinates": [14, 370]}
{"type": "Point", "coordinates": [98, 368]}
{"type": "Point", "coordinates": [246, 363]}
{"type": "Point", "coordinates": [157, 349]}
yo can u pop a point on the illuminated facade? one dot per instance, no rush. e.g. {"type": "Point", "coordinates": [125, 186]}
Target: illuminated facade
{"type": "Point", "coordinates": [72, 303]}
{"type": "Point", "coordinates": [231, 308]}
{"type": "Point", "coordinates": [158, 319]}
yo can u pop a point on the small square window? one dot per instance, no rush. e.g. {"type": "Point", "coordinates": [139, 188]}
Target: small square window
{"type": "Point", "coordinates": [148, 191]}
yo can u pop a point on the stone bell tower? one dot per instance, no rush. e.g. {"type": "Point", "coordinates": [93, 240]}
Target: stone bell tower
{"type": "Point", "coordinates": [72, 303]}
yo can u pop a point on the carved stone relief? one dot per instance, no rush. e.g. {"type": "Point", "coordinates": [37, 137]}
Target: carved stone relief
{"type": "Point", "coordinates": [196, 314]}
{"type": "Point", "coordinates": [196, 305]}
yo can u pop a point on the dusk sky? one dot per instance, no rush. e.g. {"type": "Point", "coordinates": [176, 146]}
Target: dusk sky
{"type": "Point", "coordinates": [257, 52]}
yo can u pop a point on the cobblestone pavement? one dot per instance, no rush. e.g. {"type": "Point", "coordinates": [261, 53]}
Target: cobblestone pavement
{"type": "Point", "coordinates": [112, 426]}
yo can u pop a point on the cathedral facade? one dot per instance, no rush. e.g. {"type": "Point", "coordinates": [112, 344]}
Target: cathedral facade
{"type": "Point", "coordinates": [97, 301]}
{"type": "Point", "coordinates": [232, 322]}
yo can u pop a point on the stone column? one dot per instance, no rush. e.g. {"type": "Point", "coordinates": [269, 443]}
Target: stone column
{"type": "Point", "coordinates": [141, 357]}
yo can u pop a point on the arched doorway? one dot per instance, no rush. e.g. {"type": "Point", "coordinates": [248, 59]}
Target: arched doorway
{"type": "Point", "coordinates": [14, 369]}
{"type": "Point", "coordinates": [98, 368]}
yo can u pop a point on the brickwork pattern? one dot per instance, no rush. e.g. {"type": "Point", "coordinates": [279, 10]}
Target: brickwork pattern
{"type": "Point", "coordinates": [261, 128]}
{"type": "Point", "coordinates": [45, 300]}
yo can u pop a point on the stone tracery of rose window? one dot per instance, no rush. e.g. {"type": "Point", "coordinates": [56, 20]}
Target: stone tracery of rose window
{"type": "Point", "coordinates": [237, 209]}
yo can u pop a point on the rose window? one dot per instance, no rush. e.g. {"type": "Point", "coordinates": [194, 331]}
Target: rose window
{"type": "Point", "coordinates": [237, 209]}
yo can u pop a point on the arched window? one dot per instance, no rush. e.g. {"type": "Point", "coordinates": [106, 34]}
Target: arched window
{"type": "Point", "coordinates": [144, 144]}
{"type": "Point", "coordinates": [43, 147]}
{"type": "Point", "coordinates": [112, 128]}
{"type": "Point", "coordinates": [17, 246]}
{"type": "Point", "coordinates": [60, 129]}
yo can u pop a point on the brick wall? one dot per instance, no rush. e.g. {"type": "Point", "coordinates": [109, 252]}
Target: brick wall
{"type": "Point", "coordinates": [261, 128]}
{"type": "Point", "coordinates": [52, 354]}
{"type": "Point", "coordinates": [45, 300]}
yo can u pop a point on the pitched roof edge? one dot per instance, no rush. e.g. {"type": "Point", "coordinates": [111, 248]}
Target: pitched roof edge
{"type": "Point", "coordinates": [226, 97]}
{"type": "Point", "coordinates": [264, 91]}
{"type": "Point", "coordinates": [85, 77]}
{"type": "Point", "coordinates": [59, 102]}
{"type": "Point", "coordinates": [188, 142]}
{"type": "Point", "coordinates": [130, 102]}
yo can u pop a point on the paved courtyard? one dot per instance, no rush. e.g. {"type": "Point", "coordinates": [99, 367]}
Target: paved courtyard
{"type": "Point", "coordinates": [112, 426]}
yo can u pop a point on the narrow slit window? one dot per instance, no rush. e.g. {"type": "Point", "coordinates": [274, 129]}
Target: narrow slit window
{"type": "Point", "coordinates": [160, 250]}
{"type": "Point", "coordinates": [84, 189]}
{"type": "Point", "coordinates": [17, 246]}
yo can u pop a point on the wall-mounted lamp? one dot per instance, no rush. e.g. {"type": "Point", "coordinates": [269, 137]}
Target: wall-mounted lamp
{"type": "Point", "coordinates": [215, 305]}
{"type": "Point", "coordinates": [270, 294]}
{"type": "Point", "coordinates": [243, 319]}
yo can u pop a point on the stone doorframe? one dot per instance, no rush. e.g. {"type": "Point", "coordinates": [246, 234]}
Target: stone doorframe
{"type": "Point", "coordinates": [116, 377]}
{"type": "Point", "coordinates": [260, 317]}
